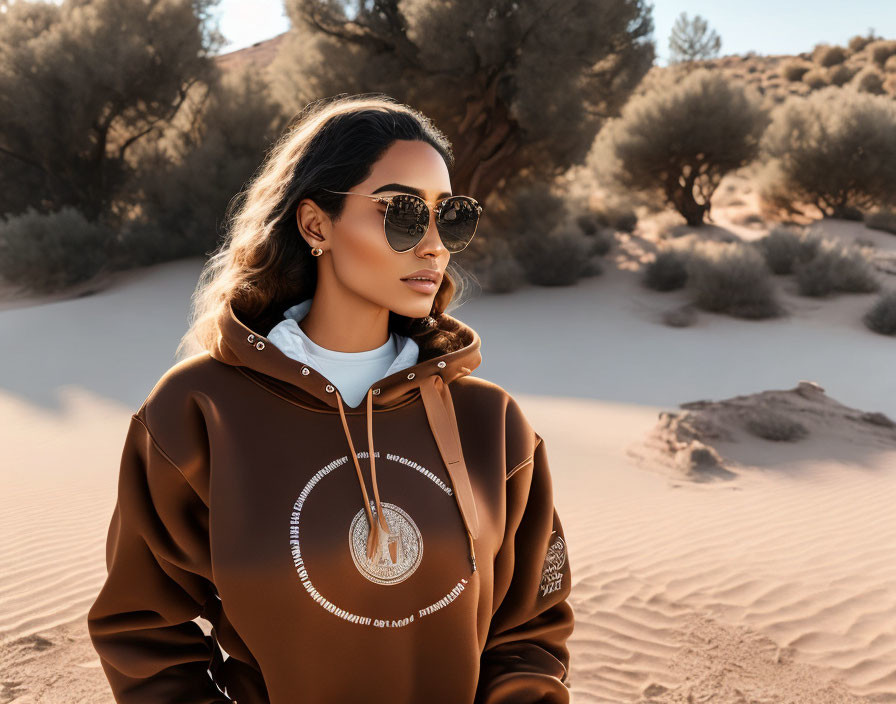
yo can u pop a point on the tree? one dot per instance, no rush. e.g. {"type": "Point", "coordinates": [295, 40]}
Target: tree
{"type": "Point", "coordinates": [692, 40]}
{"type": "Point", "coordinates": [677, 140]}
{"type": "Point", "coordinates": [81, 83]}
{"type": "Point", "coordinates": [520, 88]}
{"type": "Point", "coordinates": [835, 150]}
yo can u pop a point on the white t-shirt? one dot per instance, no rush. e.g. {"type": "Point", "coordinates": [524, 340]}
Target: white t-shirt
{"type": "Point", "coordinates": [352, 373]}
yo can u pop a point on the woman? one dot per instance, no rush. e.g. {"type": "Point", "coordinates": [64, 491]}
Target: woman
{"type": "Point", "coordinates": [430, 565]}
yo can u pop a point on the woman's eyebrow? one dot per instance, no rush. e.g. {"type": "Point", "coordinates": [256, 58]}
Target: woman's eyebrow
{"type": "Point", "coordinates": [407, 189]}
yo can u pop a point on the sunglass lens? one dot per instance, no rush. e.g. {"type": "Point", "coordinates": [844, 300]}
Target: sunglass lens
{"type": "Point", "coordinates": [457, 222]}
{"type": "Point", "coordinates": [406, 220]}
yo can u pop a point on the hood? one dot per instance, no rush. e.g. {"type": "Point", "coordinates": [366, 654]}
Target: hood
{"type": "Point", "coordinates": [291, 339]}
{"type": "Point", "coordinates": [447, 351]}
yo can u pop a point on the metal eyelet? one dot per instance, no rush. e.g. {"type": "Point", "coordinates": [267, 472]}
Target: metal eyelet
{"type": "Point", "coordinates": [411, 375]}
{"type": "Point", "coordinates": [376, 392]}
{"type": "Point", "coordinates": [251, 338]}
{"type": "Point", "coordinates": [259, 345]}
{"type": "Point", "coordinates": [329, 388]}
{"type": "Point", "coordinates": [305, 371]}
{"type": "Point", "coordinates": [441, 364]}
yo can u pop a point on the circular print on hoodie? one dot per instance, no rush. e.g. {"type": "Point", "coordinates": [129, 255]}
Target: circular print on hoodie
{"type": "Point", "coordinates": [402, 531]}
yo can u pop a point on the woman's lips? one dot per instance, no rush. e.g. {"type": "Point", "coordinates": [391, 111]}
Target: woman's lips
{"type": "Point", "coordinates": [421, 286]}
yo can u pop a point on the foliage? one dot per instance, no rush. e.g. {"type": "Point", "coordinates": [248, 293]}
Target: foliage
{"type": "Point", "coordinates": [81, 83]}
{"type": "Point", "coordinates": [520, 88]}
{"type": "Point", "coordinates": [677, 140]}
{"type": "Point", "coordinates": [881, 317]}
{"type": "Point", "coordinates": [731, 278]}
{"type": "Point", "coordinates": [48, 252]}
{"type": "Point", "coordinates": [835, 150]}
{"type": "Point", "coordinates": [836, 267]}
{"type": "Point", "coordinates": [667, 271]}
{"type": "Point", "coordinates": [784, 247]}
{"type": "Point", "coordinates": [188, 177]}
{"type": "Point", "coordinates": [692, 40]}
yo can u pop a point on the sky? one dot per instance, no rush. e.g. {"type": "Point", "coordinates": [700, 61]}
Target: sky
{"type": "Point", "coordinates": [763, 26]}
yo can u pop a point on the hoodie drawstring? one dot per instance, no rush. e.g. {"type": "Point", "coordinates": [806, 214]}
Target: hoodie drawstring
{"type": "Point", "coordinates": [442, 421]}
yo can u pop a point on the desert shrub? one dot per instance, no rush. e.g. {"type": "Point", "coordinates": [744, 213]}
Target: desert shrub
{"type": "Point", "coordinates": [618, 216]}
{"type": "Point", "coordinates": [600, 243]}
{"type": "Point", "coordinates": [769, 424]}
{"type": "Point", "coordinates": [836, 267]}
{"type": "Point", "coordinates": [835, 150]}
{"type": "Point", "coordinates": [504, 273]}
{"type": "Point", "coordinates": [612, 214]}
{"type": "Point", "coordinates": [841, 74]}
{"type": "Point", "coordinates": [794, 69]}
{"type": "Point", "coordinates": [869, 80]}
{"type": "Point", "coordinates": [783, 247]}
{"type": "Point", "coordinates": [815, 78]}
{"type": "Point", "coordinates": [731, 278]}
{"type": "Point", "coordinates": [881, 317]}
{"type": "Point", "coordinates": [677, 140]}
{"type": "Point", "coordinates": [667, 271]}
{"type": "Point", "coordinates": [680, 317]}
{"type": "Point", "coordinates": [882, 50]}
{"type": "Point", "coordinates": [881, 220]}
{"type": "Point", "coordinates": [48, 252]}
{"type": "Point", "coordinates": [859, 42]}
{"type": "Point", "coordinates": [828, 55]}
{"type": "Point", "coordinates": [557, 259]}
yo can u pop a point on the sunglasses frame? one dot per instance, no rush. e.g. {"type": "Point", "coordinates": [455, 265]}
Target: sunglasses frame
{"type": "Point", "coordinates": [438, 210]}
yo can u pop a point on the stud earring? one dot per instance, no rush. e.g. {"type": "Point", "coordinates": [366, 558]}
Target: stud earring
{"type": "Point", "coordinates": [317, 251]}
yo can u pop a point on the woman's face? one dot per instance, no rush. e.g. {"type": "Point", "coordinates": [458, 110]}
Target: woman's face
{"type": "Point", "coordinates": [357, 257]}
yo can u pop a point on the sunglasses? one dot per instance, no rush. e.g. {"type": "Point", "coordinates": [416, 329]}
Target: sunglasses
{"type": "Point", "coordinates": [407, 220]}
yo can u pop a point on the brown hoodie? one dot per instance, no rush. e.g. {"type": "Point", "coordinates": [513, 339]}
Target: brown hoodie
{"type": "Point", "coordinates": [428, 566]}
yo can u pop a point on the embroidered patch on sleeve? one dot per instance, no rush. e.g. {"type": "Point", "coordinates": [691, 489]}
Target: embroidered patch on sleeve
{"type": "Point", "coordinates": [555, 559]}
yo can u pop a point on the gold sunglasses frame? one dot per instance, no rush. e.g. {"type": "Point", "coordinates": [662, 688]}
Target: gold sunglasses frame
{"type": "Point", "coordinates": [438, 210]}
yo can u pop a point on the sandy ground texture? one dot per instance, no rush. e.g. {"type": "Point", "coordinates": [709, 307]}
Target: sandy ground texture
{"type": "Point", "coordinates": [711, 561]}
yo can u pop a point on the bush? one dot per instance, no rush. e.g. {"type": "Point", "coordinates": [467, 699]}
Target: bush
{"type": "Point", "coordinates": [836, 267]}
{"type": "Point", "coordinates": [882, 50]}
{"type": "Point", "coordinates": [731, 278]}
{"type": "Point", "coordinates": [783, 247]}
{"type": "Point", "coordinates": [668, 270]}
{"type": "Point", "coordinates": [557, 259]}
{"type": "Point", "coordinates": [504, 272]}
{"type": "Point", "coordinates": [828, 55]}
{"type": "Point", "coordinates": [869, 80]}
{"type": "Point", "coordinates": [816, 78]}
{"type": "Point", "coordinates": [841, 74]}
{"type": "Point", "coordinates": [881, 317]}
{"type": "Point", "coordinates": [859, 42]}
{"type": "Point", "coordinates": [48, 252]}
{"type": "Point", "coordinates": [835, 150]}
{"type": "Point", "coordinates": [882, 220]}
{"type": "Point", "coordinates": [794, 69]}
{"type": "Point", "coordinates": [677, 140]}
{"type": "Point", "coordinates": [616, 216]}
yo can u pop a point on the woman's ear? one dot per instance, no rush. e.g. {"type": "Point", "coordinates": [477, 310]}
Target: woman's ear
{"type": "Point", "coordinates": [310, 222]}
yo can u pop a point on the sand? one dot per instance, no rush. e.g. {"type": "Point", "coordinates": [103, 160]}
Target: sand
{"type": "Point", "coordinates": [709, 564]}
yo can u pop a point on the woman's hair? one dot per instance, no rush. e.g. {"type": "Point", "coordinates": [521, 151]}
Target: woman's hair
{"type": "Point", "coordinates": [263, 265]}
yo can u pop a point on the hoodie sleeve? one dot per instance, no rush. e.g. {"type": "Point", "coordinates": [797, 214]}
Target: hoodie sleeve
{"type": "Point", "coordinates": [157, 555]}
{"type": "Point", "coordinates": [526, 658]}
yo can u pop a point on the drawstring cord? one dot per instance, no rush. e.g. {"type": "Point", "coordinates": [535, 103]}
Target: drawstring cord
{"type": "Point", "coordinates": [442, 420]}
{"type": "Point", "coordinates": [374, 536]}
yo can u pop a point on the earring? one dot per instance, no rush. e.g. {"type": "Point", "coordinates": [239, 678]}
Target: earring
{"type": "Point", "coordinates": [317, 251]}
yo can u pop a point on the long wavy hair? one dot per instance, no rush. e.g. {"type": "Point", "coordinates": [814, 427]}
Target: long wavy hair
{"type": "Point", "coordinates": [263, 265]}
